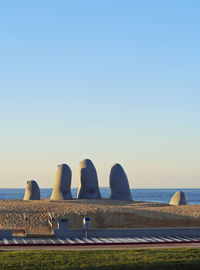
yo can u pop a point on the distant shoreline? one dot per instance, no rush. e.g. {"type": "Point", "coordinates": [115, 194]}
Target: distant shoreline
{"type": "Point", "coordinates": [148, 195]}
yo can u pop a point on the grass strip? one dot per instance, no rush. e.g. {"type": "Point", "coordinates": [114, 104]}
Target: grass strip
{"type": "Point", "coordinates": [173, 259]}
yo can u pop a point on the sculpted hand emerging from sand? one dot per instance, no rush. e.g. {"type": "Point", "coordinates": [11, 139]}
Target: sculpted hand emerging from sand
{"type": "Point", "coordinates": [119, 185]}
{"type": "Point", "coordinates": [179, 198]}
{"type": "Point", "coordinates": [32, 191]}
{"type": "Point", "coordinates": [62, 183]}
{"type": "Point", "coordinates": [88, 181]}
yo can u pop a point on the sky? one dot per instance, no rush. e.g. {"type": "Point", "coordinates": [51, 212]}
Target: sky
{"type": "Point", "coordinates": [112, 81]}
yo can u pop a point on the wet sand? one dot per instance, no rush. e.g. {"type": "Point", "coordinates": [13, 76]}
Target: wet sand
{"type": "Point", "coordinates": [103, 213]}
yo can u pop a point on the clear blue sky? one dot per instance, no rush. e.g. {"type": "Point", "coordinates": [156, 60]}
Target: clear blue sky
{"type": "Point", "coordinates": [113, 81]}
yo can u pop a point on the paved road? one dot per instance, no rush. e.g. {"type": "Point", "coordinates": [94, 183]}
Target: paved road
{"type": "Point", "coordinates": [104, 247]}
{"type": "Point", "coordinates": [99, 243]}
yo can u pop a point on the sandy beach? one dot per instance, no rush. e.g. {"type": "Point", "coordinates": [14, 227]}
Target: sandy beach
{"type": "Point", "coordinates": [103, 213]}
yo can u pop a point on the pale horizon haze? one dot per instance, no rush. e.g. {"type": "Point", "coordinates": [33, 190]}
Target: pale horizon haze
{"type": "Point", "coordinates": [112, 81]}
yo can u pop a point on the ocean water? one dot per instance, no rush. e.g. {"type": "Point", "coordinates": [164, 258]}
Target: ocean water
{"type": "Point", "coordinates": [147, 195]}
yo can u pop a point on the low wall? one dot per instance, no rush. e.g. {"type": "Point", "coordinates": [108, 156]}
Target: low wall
{"type": "Point", "coordinates": [5, 234]}
{"type": "Point", "coordinates": [131, 232]}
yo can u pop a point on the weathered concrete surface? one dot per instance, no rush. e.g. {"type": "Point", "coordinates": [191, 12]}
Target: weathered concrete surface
{"type": "Point", "coordinates": [63, 228]}
{"type": "Point", "coordinates": [88, 181]}
{"type": "Point", "coordinates": [6, 234]}
{"type": "Point", "coordinates": [62, 184]}
{"type": "Point", "coordinates": [32, 191]}
{"type": "Point", "coordinates": [119, 185]}
{"type": "Point", "coordinates": [136, 232]}
{"type": "Point", "coordinates": [179, 198]}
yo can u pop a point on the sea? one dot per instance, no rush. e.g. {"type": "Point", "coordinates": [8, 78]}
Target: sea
{"type": "Point", "coordinates": [146, 195]}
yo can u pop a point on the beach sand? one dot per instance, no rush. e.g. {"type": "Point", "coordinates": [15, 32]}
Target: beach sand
{"type": "Point", "coordinates": [103, 213]}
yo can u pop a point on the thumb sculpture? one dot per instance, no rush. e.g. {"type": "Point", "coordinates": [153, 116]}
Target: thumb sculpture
{"type": "Point", "coordinates": [119, 185]}
{"type": "Point", "coordinates": [62, 184]}
{"type": "Point", "coordinates": [88, 181]}
{"type": "Point", "coordinates": [32, 191]}
{"type": "Point", "coordinates": [179, 198]}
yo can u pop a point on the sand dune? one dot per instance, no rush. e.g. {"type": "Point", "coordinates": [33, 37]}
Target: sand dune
{"type": "Point", "coordinates": [103, 213]}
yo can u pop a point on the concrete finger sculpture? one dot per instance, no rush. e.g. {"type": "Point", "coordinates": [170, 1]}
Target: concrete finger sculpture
{"type": "Point", "coordinates": [62, 184]}
{"type": "Point", "coordinates": [32, 191]}
{"type": "Point", "coordinates": [88, 181]}
{"type": "Point", "coordinates": [119, 185]}
{"type": "Point", "coordinates": [179, 198]}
